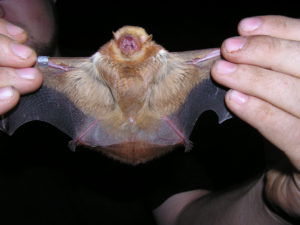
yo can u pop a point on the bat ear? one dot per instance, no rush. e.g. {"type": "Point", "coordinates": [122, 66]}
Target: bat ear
{"type": "Point", "coordinates": [149, 37]}
{"type": "Point", "coordinates": [146, 38]}
{"type": "Point", "coordinates": [114, 35]}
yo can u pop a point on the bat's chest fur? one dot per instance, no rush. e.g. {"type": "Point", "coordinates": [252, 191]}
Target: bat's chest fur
{"type": "Point", "coordinates": [129, 85]}
{"type": "Point", "coordinates": [131, 91]}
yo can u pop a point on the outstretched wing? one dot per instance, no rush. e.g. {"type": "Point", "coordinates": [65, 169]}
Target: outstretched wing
{"type": "Point", "coordinates": [184, 90]}
{"type": "Point", "coordinates": [206, 95]}
{"type": "Point", "coordinates": [76, 100]}
{"type": "Point", "coordinates": [59, 102]}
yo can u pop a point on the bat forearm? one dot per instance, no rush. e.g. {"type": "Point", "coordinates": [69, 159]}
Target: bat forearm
{"type": "Point", "coordinates": [241, 206]}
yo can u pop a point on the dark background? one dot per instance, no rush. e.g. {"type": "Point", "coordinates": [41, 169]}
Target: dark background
{"type": "Point", "coordinates": [42, 182]}
{"type": "Point", "coordinates": [177, 25]}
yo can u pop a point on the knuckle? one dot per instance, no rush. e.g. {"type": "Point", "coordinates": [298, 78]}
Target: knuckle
{"type": "Point", "coordinates": [4, 39]}
{"type": "Point", "coordinates": [13, 54]}
{"type": "Point", "coordinates": [26, 81]}
{"type": "Point", "coordinates": [281, 22]}
{"type": "Point", "coordinates": [6, 71]}
{"type": "Point", "coordinates": [7, 76]}
{"type": "Point", "coordinates": [277, 50]}
{"type": "Point", "coordinates": [272, 53]}
{"type": "Point", "coordinates": [263, 112]}
{"type": "Point", "coordinates": [251, 75]}
{"type": "Point", "coordinates": [264, 44]}
{"type": "Point", "coordinates": [4, 46]}
{"type": "Point", "coordinates": [13, 31]}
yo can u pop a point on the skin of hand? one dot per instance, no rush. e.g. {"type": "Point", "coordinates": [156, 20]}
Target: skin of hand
{"type": "Point", "coordinates": [22, 37]}
{"type": "Point", "coordinates": [261, 67]}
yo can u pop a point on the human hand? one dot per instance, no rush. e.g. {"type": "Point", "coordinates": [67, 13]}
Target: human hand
{"type": "Point", "coordinates": [16, 59]}
{"type": "Point", "coordinates": [263, 74]}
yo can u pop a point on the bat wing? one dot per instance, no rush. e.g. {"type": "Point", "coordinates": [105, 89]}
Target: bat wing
{"type": "Point", "coordinates": [206, 95]}
{"type": "Point", "coordinates": [46, 105]}
{"type": "Point", "coordinates": [192, 92]}
{"type": "Point", "coordinates": [43, 105]}
{"type": "Point", "coordinates": [51, 104]}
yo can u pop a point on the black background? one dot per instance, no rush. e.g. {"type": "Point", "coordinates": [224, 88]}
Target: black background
{"type": "Point", "coordinates": [176, 25]}
{"type": "Point", "coordinates": [42, 182]}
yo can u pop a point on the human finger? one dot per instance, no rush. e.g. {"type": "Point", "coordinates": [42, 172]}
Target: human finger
{"type": "Point", "coordinates": [13, 54]}
{"type": "Point", "coordinates": [276, 88]}
{"type": "Point", "coordinates": [9, 97]}
{"type": "Point", "coordinates": [23, 80]}
{"type": "Point", "coordinates": [272, 25]}
{"type": "Point", "coordinates": [270, 121]}
{"type": "Point", "coordinates": [264, 51]}
{"type": "Point", "coordinates": [12, 31]}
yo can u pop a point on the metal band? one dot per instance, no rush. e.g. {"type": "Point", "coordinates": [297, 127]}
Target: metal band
{"type": "Point", "coordinates": [43, 60]}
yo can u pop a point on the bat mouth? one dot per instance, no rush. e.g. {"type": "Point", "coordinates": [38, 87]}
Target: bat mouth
{"type": "Point", "coordinates": [128, 44]}
{"type": "Point", "coordinates": [135, 153]}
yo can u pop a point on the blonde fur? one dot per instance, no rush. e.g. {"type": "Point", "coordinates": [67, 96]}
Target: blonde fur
{"type": "Point", "coordinates": [130, 93]}
{"type": "Point", "coordinates": [129, 96]}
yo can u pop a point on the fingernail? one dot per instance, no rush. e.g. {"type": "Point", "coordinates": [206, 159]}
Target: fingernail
{"type": "Point", "coordinates": [28, 73]}
{"type": "Point", "coordinates": [235, 44]}
{"type": "Point", "coordinates": [238, 97]}
{"type": "Point", "coordinates": [250, 24]}
{"type": "Point", "coordinates": [22, 51]}
{"type": "Point", "coordinates": [224, 67]}
{"type": "Point", "coordinates": [6, 92]}
{"type": "Point", "coordinates": [13, 29]}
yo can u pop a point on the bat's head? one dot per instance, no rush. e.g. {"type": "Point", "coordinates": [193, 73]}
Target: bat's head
{"type": "Point", "coordinates": [130, 39]}
{"type": "Point", "coordinates": [130, 45]}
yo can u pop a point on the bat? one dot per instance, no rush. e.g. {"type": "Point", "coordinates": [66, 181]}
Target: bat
{"type": "Point", "coordinates": [132, 100]}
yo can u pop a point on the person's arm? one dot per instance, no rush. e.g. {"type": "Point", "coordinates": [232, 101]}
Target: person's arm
{"type": "Point", "coordinates": [242, 206]}
{"type": "Point", "coordinates": [262, 70]}
{"type": "Point", "coordinates": [264, 76]}
{"type": "Point", "coordinates": [16, 75]}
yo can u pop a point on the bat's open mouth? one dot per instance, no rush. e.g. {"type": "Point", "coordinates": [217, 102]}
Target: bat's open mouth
{"type": "Point", "coordinates": [129, 44]}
